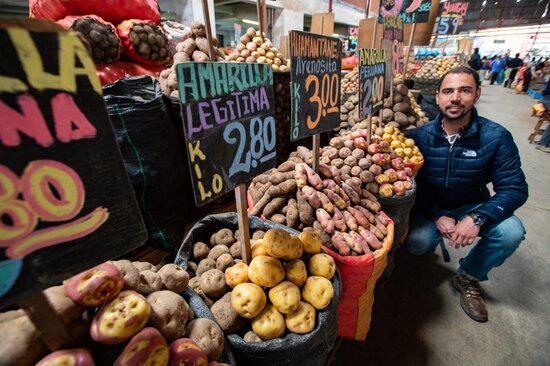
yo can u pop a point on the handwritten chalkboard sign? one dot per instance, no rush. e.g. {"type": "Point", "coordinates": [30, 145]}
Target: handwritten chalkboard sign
{"type": "Point", "coordinates": [66, 203]}
{"type": "Point", "coordinates": [372, 73]}
{"type": "Point", "coordinates": [227, 111]}
{"type": "Point", "coordinates": [315, 83]}
{"type": "Point", "coordinates": [451, 16]}
{"type": "Point", "coordinates": [411, 11]}
{"type": "Point", "coordinates": [393, 28]}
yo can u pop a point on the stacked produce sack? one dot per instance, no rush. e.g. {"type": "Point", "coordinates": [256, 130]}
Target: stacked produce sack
{"type": "Point", "coordinates": [132, 311]}
{"type": "Point", "coordinates": [426, 79]}
{"type": "Point", "coordinates": [285, 297]}
{"type": "Point", "coordinates": [254, 47]}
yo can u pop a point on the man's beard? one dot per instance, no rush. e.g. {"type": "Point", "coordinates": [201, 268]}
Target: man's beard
{"type": "Point", "coordinates": [449, 117]}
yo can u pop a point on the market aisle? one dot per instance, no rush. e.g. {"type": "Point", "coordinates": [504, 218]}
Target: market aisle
{"type": "Point", "coordinates": [417, 318]}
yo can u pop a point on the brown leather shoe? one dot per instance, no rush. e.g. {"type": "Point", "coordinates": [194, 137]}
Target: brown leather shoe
{"type": "Point", "coordinates": [470, 298]}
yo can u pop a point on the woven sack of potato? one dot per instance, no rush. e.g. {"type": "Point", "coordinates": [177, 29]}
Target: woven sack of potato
{"type": "Point", "coordinates": [144, 42]}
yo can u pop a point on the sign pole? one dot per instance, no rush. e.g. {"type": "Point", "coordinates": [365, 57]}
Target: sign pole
{"type": "Point", "coordinates": [260, 17]}
{"type": "Point", "coordinates": [409, 49]}
{"type": "Point", "coordinates": [208, 30]}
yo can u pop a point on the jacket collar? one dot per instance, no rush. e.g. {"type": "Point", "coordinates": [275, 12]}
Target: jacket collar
{"type": "Point", "coordinates": [472, 130]}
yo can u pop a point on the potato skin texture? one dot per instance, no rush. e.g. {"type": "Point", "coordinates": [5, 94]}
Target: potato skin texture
{"type": "Point", "coordinates": [269, 324]}
{"type": "Point", "coordinates": [146, 347]}
{"type": "Point", "coordinates": [207, 335]}
{"type": "Point", "coordinates": [285, 297]}
{"type": "Point", "coordinates": [310, 241]}
{"type": "Point", "coordinates": [322, 265]}
{"type": "Point", "coordinates": [236, 274]}
{"type": "Point", "coordinates": [185, 351]}
{"type": "Point", "coordinates": [128, 311]}
{"type": "Point", "coordinates": [265, 271]}
{"type": "Point", "coordinates": [74, 356]}
{"type": "Point", "coordinates": [318, 292]}
{"type": "Point", "coordinates": [302, 320]}
{"type": "Point", "coordinates": [248, 299]}
{"type": "Point", "coordinates": [169, 313]}
{"type": "Point", "coordinates": [295, 272]}
{"type": "Point", "coordinates": [173, 278]}
{"type": "Point", "coordinates": [278, 243]}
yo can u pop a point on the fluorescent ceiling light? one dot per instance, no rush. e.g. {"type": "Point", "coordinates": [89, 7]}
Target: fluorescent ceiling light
{"type": "Point", "coordinates": [335, 35]}
{"type": "Point", "coordinates": [248, 21]}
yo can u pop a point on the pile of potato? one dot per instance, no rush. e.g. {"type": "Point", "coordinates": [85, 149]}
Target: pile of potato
{"type": "Point", "coordinates": [333, 203]}
{"type": "Point", "coordinates": [403, 147]}
{"type": "Point", "coordinates": [256, 48]}
{"type": "Point", "coordinates": [194, 47]}
{"type": "Point", "coordinates": [282, 115]}
{"type": "Point", "coordinates": [291, 269]}
{"type": "Point", "coordinates": [350, 82]}
{"type": "Point", "coordinates": [101, 37]}
{"type": "Point", "coordinates": [148, 40]}
{"type": "Point", "coordinates": [125, 303]}
{"type": "Point", "coordinates": [349, 114]}
{"type": "Point", "coordinates": [436, 67]}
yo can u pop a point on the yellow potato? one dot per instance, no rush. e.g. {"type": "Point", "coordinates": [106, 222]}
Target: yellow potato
{"type": "Point", "coordinates": [269, 324]}
{"type": "Point", "coordinates": [310, 241]}
{"type": "Point", "coordinates": [265, 271]}
{"type": "Point", "coordinates": [278, 243]}
{"type": "Point", "coordinates": [322, 265]}
{"type": "Point", "coordinates": [285, 297]}
{"type": "Point", "coordinates": [236, 274]}
{"type": "Point", "coordinates": [295, 272]}
{"type": "Point", "coordinates": [257, 248]}
{"type": "Point", "coordinates": [295, 251]}
{"type": "Point", "coordinates": [248, 300]}
{"type": "Point", "coordinates": [302, 320]}
{"type": "Point", "coordinates": [318, 292]}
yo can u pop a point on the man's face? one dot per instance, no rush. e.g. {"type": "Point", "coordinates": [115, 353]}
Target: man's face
{"type": "Point", "coordinates": [457, 96]}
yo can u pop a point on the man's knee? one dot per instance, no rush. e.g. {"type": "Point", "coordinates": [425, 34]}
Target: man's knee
{"type": "Point", "coordinates": [420, 241]}
{"type": "Point", "coordinates": [510, 232]}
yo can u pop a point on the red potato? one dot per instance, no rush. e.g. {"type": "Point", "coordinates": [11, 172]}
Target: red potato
{"type": "Point", "coordinates": [148, 347]}
{"type": "Point", "coordinates": [350, 192]}
{"type": "Point", "coordinates": [325, 170]}
{"type": "Point", "coordinates": [341, 244]}
{"type": "Point", "coordinates": [353, 243]}
{"type": "Point", "coordinates": [373, 148]}
{"type": "Point", "coordinates": [339, 220]}
{"type": "Point", "coordinates": [362, 243]}
{"type": "Point", "coordinates": [335, 198]}
{"type": "Point", "coordinates": [409, 171]}
{"type": "Point", "coordinates": [384, 146]}
{"type": "Point", "coordinates": [392, 175]}
{"type": "Point", "coordinates": [401, 175]}
{"type": "Point", "coordinates": [73, 357]}
{"type": "Point", "coordinates": [386, 189]}
{"type": "Point", "coordinates": [360, 143]}
{"type": "Point", "coordinates": [382, 179]}
{"type": "Point", "coordinates": [95, 286]}
{"type": "Point", "coordinates": [379, 159]}
{"type": "Point", "coordinates": [351, 222]}
{"type": "Point", "coordinates": [371, 239]}
{"type": "Point", "coordinates": [311, 196]}
{"type": "Point", "coordinates": [362, 218]}
{"type": "Point", "coordinates": [300, 175]}
{"type": "Point", "coordinates": [408, 184]}
{"type": "Point", "coordinates": [355, 183]}
{"type": "Point", "coordinates": [335, 174]}
{"type": "Point", "coordinates": [119, 319]}
{"type": "Point", "coordinates": [185, 351]}
{"type": "Point", "coordinates": [325, 202]}
{"type": "Point", "coordinates": [313, 178]}
{"type": "Point", "coordinates": [399, 188]}
{"type": "Point", "coordinates": [325, 220]}
{"type": "Point", "coordinates": [373, 206]}
{"type": "Point", "coordinates": [397, 164]}
{"type": "Point", "coordinates": [382, 219]}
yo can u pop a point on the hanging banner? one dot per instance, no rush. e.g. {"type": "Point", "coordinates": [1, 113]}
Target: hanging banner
{"type": "Point", "coordinates": [411, 11]}
{"type": "Point", "coordinates": [66, 203]}
{"type": "Point", "coordinates": [227, 111]}
{"type": "Point", "coordinates": [316, 63]}
{"type": "Point", "coordinates": [393, 28]}
{"type": "Point", "coordinates": [451, 16]}
{"type": "Point", "coordinates": [372, 74]}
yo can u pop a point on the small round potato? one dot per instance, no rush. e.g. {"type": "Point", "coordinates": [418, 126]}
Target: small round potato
{"type": "Point", "coordinates": [311, 242]}
{"type": "Point", "coordinates": [278, 243]}
{"type": "Point", "coordinates": [224, 261]}
{"type": "Point", "coordinates": [208, 335]}
{"type": "Point", "coordinates": [251, 337]}
{"type": "Point", "coordinates": [217, 251]}
{"type": "Point", "coordinates": [173, 277]}
{"type": "Point", "coordinates": [236, 274]}
{"type": "Point", "coordinates": [228, 319]}
{"type": "Point", "coordinates": [236, 250]}
{"type": "Point", "coordinates": [318, 292]}
{"type": "Point", "coordinates": [285, 297]}
{"type": "Point", "coordinates": [258, 234]}
{"type": "Point", "coordinates": [248, 299]}
{"type": "Point", "coordinates": [269, 324]}
{"type": "Point", "coordinates": [302, 320]}
{"type": "Point", "coordinates": [205, 265]}
{"type": "Point", "coordinates": [322, 265]}
{"type": "Point", "coordinates": [200, 251]}
{"type": "Point", "coordinates": [225, 237]}
{"type": "Point", "coordinates": [265, 271]}
{"type": "Point", "coordinates": [213, 283]}
{"type": "Point", "coordinates": [296, 249]}
{"type": "Point", "coordinates": [295, 272]}
{"type": "Point", "coordinates": [258, 248]}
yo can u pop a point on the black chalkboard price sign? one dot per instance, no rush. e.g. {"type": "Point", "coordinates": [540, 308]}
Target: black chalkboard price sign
{"type": "Point", "coordinates": [372, 71]}
{"type": "Point", "coordinates": [227, 111]}
{"type": "Point", "coordinates": [315, 83]}
{"type": "Point", "coordinates": [66, 203]}
{"type": "Point", "coordinates": [411, 11]}
{"type": "Point", "coordinates": [393, 28]}
{"type": "Point", "coordinates": [451, 16]}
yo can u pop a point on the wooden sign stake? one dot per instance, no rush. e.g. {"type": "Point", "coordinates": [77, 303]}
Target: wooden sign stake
{"type": "Point", "coordinates": [409, 50]}
{"type": "Point", "coordinates": [244, 229]}
{"type": "Point", "coordinates": [259, 4]}
{"type": "Point", "coordinates": [51, 329]}
{"type": "Point", "coordinates": [369, 128]}
{"type": "Point", "coordinates": [208, 30]}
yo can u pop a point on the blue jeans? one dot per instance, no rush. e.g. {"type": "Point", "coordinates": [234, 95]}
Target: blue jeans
{"type": "Point", "coordinates": [497, 243]}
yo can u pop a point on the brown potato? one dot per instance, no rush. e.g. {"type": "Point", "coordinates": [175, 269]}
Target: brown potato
{"type": "Point", "coordinates": [236, 274]}
{"type": "Point", "coordinates": [224, 261]}
{"type": "Point", "coordinates": [285, 297]}
{"type": "Point", "coordinates": [295, 272]}
{"type": "Point", "coordinates": [269, 324]}
{"type": "Point", "coordinates": [208, 335]}
{"type": "Point", "coordinates": [228, 319]}
{"type": "Point", "coordinates": [236, 250]}
{"type": "Point", "coordinates": [145, 266]}
{"type": "Point", "coordinates": [130, 272]}
{"type": "Point", "coordinates": [258, 234]}
{"type": "Point", "coordinates": [169, 313]}
{"type": "Point", "coordinates": [265, 271]}
{"type": "Point", "coordinates": [205, 265]}
{"type": "Point", "coordinates": [310, 241]}
{"type": "Point", "coordinates": [200, 251]}
{"type": "Point", "coordinates": [302, 320]}
{"type": "Point", "coordinates": [149, 282]}
{"type": "Point", "coordinates": [225, 237]}
{"type": "Point", "coordinates": [173, 278]}
{"type": "Point", "coordinates": [318, 292]}
{"type": "Point", "coordinates": [218, 250]}
{"type": "Point", "coordinates": [248, 299]}
{"type": "Point", "coordinates": [213, 283]}
{"type": "Point", "coordinates": [322, 265]}
{"type": "Point", "coordinates": [251, 337]}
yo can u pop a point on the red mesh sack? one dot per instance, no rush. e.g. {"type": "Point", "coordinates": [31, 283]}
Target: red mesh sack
{"type": "Point", "coordinates": [109, 73]}
{"type": "Point", "coordinates": [47, 9]}
{"type": "Point", "coordinates": [144, 42]}
{"type": "Point", "coordinates": [100, 36]}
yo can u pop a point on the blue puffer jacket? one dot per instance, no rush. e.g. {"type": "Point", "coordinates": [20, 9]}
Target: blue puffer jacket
{"type": "Point", "coordinates": [454, 176]}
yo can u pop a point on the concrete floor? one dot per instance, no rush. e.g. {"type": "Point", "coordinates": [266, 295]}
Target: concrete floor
{"type": "Point", "coordinates": [417, 318]}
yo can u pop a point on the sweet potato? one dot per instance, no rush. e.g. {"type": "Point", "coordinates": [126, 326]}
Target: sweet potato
{"type": "Point", "coordinates": [311, 196]}
{"type": "Point", "coordinates": [371, 239]}
{"type": "Point", "coordinates": [280, 177]}
{"type": "Point", "coordinates": [339, 220]}
{"type": "Point", "coordinates": [148, 347]}
{"type": "Point", "coordinates": [287, 187]}
{"type": "Point", "coordinates": [354, 197]}
{"type": "Point", "coordinates": [351, 222]}
{"type": "Point", "coordinates": [187, 46]}
{"type": "Point", "coordinates": [313, 178]}
{"type": "Point", "coordinates": [372, 206]}
{"type": "Point", "coordinates": [305, 211]}
{"type": "Point", "coordinates": [335, 199]}
{"type": "Point", "coordinates": [373, 229]}
{"type": "Point", "coordinates": [325, 220]}
{"type": "Point", "coordinates": [95, 286]}
{"type": "Point", "coordinates": [325, 202]}
{"type": "Point", "coordinates": [275, 205]}
{"type": "Point", "coordinates": [340, 244]}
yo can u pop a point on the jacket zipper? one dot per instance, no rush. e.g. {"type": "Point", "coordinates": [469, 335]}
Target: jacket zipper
{"type": "Point", "coordinates": [449, 155]}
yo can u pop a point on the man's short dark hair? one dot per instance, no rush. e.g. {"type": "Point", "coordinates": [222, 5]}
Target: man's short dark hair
{"type": "Point", "coordinates": [460, 70]}
{"type": "Point", "coordinates": [517, 54]}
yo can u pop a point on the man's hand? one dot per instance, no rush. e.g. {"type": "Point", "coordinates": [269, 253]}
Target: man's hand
{"type": "Point", "coordinates": [465, 233]}
{"type": "Point", "coordinates": [446, 226]}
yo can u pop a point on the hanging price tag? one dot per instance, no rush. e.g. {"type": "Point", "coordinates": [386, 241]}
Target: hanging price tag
{"type": "Point", "coordinates": [227, 111]}
{"type": "Point", "coordinates": [315, 83]}
{"type": "Point", "coordinates": [411, 11]}
{"type": "Point", "coordinates": [393, 28]}
{"type": "Point", "coordinates": [372, 71]}
{"type": "Point", "coordinates": [451, 16]}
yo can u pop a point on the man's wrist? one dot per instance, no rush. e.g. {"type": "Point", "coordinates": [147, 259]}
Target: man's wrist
{"type": "Point", "coordinates": [477, 218]}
